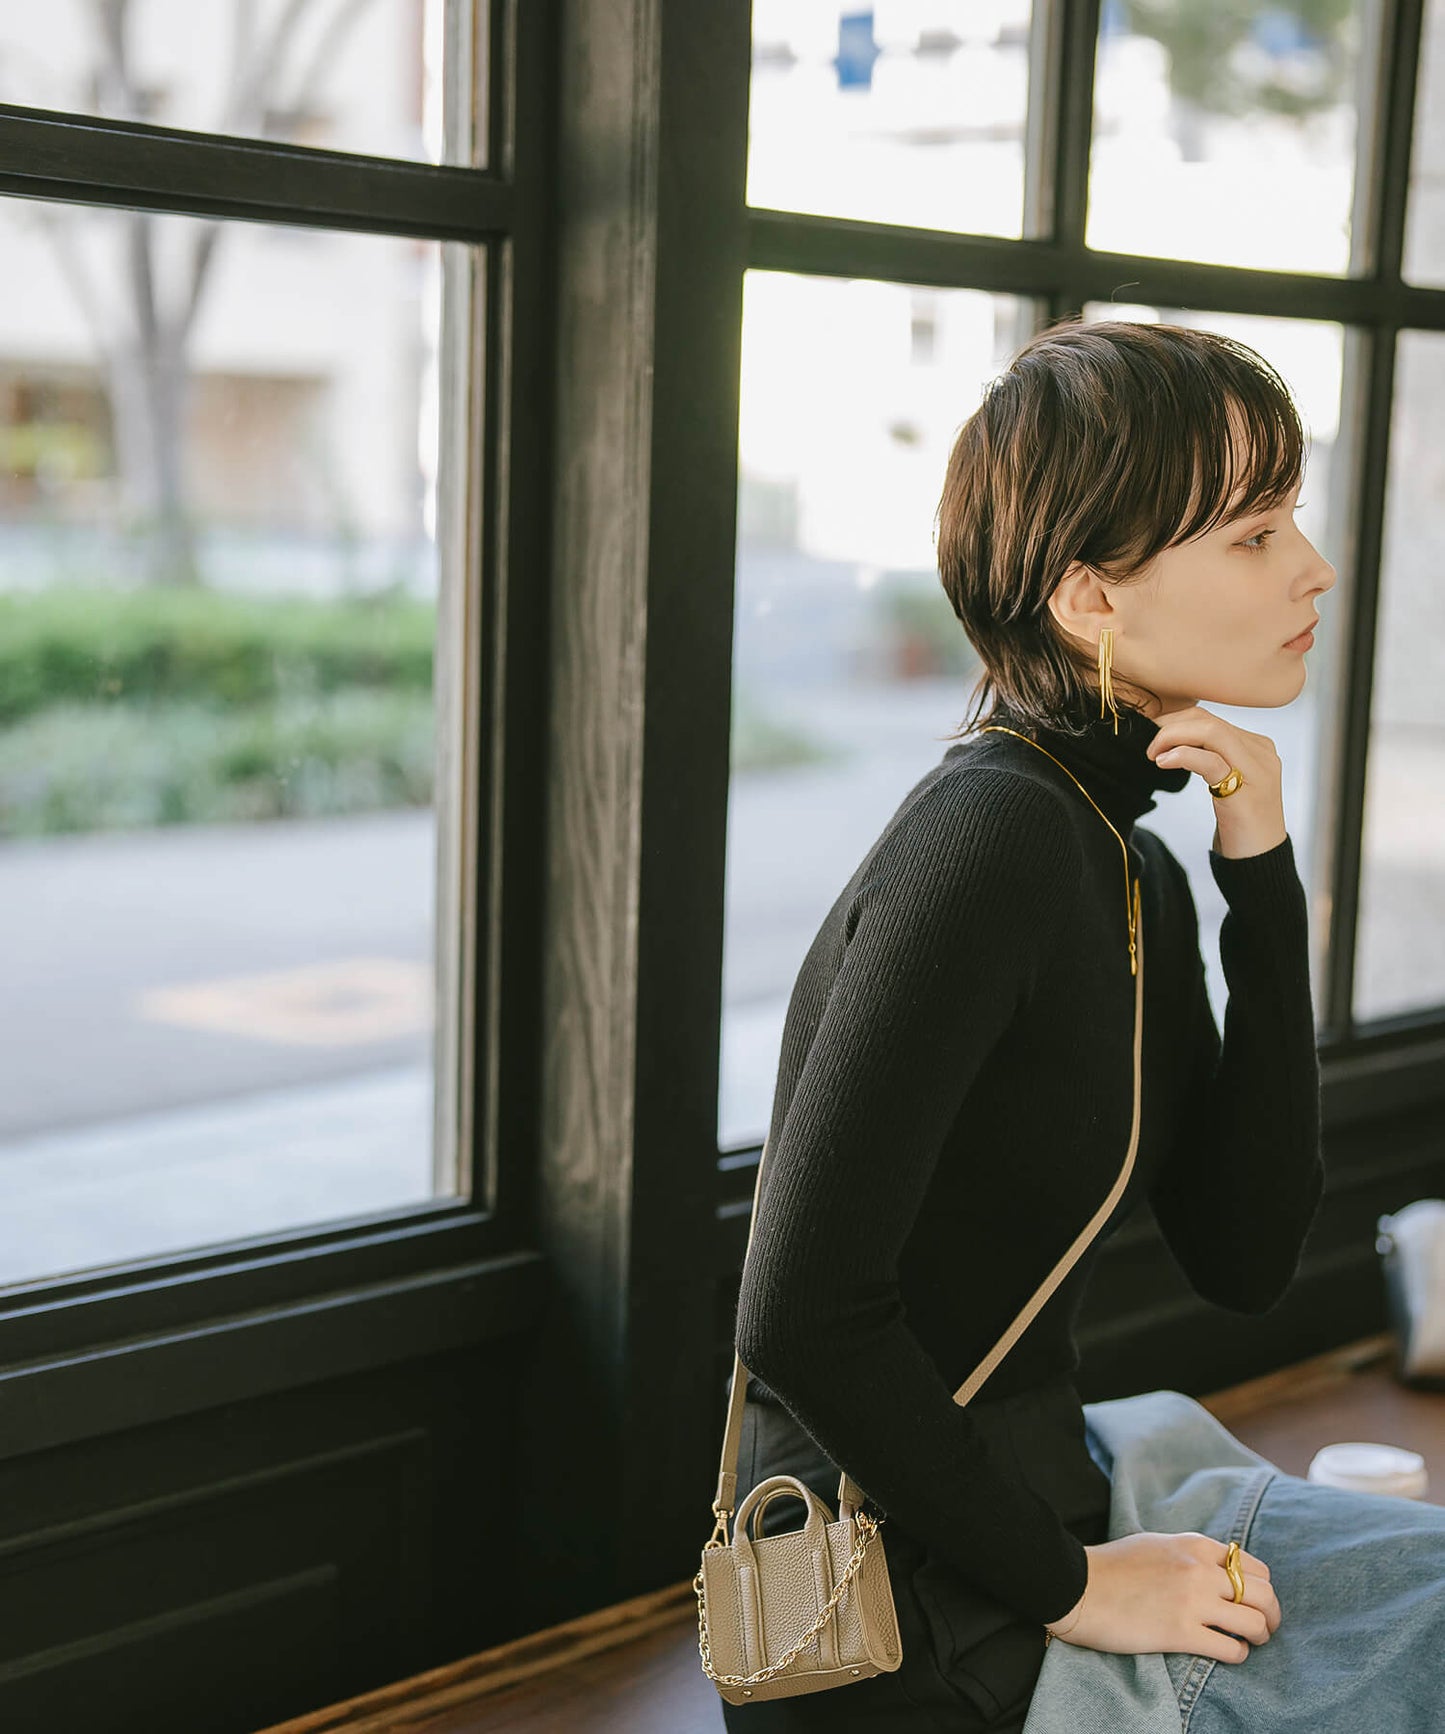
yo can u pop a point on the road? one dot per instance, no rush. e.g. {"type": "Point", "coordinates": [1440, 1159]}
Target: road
{"type": "Point", "coordinates": [226, 1030]}
{"type": "Point", "coordinates": [195, 964]}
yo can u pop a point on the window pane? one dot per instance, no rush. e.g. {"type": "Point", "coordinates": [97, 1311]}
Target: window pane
{"type": "Point", "coordinates": [1309, 355]}
{"type": "Point", "coordinates": [1400, 965]}
{"type": "Point", "coordinates": [849, 666]}
{"type": "Point", "coordinates": [891, 114]}
{"type": "Point", "coordinates": [1425, 218]}
{"type": "Point", "coordinates": [1226, 134]}
{"type": "Point", "coordinates": [218, 601]}
{"type": "Point", "coordinates": [332, 74]}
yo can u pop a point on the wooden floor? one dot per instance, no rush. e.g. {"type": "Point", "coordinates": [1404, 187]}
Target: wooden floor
{"type": "Point", "coordinates": [635, 1669]}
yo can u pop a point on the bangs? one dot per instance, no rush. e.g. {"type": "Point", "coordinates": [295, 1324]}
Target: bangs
{"type": "Point", "coordinates": [1241, 448]}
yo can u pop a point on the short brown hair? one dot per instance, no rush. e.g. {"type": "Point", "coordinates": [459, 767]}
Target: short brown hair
{"type": "Point", "coordinates": [1103, 443]}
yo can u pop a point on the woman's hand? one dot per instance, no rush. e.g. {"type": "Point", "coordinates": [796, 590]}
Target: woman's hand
{"type": "Point", "coordinates": [1156, 1592]}
{"type": "Point", "coordinates": [1249, 821]}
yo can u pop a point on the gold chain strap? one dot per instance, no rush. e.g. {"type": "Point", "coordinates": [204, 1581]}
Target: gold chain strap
{"type": "Point", "coordinates": [868, 1527]}
{"type": "Point", "coordinates": [1131, 898]}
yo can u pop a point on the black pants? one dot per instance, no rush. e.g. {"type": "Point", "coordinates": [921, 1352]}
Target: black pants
{"type": "Point", "coordinates": [970, 1663]}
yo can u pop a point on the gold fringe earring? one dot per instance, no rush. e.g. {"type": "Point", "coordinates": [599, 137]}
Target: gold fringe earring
{"type": "Point", "coordinates": [1106, 674]}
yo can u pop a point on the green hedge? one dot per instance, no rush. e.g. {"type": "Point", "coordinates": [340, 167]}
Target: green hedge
{"type": "Point", "coordinates": [78, 645]}
{"type": "Point", "coordinates": [73, 768]}
{"type": "Point", "coordinates": [760, 742]}
{"type": "Point", "coordinates": [123, 710]}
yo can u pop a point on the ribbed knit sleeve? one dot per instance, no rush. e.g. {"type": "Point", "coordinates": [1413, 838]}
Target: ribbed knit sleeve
{"type": "Point", "coordinates": [946, 939]}
{"type": "Point", "coordinates": [1242, 1181]}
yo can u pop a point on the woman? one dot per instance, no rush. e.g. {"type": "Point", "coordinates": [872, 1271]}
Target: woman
{"type": "Point", "coordinates": [955, 1084]}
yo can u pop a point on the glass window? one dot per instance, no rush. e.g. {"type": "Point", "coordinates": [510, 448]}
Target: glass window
{"type": "Point", "coordinates": [219, 589]}
{"type": "Point", "coordinates": [850, 667]}
{"type": "Point", "coordinates": [333, 74]}
{"type": "Point", "coordinates": [1190, 100]}
{"type": "Point", "coordinates": [1400, 963]}
{"type": "Point", "coordinates": [1424, 261]}
{"type": "Point", "coordinates": [891, 114]}
{"type": "Point", "coordinates": [1309, 354]}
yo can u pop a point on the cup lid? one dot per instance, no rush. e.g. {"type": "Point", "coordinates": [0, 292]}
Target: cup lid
{"type": "Point", "coordinates": [1369, 1466]}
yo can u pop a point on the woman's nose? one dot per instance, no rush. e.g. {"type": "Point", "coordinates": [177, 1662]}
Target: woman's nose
{"type": "Point", "coordinates": [1325, 574]}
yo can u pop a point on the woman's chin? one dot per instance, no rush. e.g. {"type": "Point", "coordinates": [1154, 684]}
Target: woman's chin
{"type": "Point", "coordinates": [1273, 688]}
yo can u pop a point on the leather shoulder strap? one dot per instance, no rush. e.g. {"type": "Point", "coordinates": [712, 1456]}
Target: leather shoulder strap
{"type": "Point", "coordinates": [850, 1496]}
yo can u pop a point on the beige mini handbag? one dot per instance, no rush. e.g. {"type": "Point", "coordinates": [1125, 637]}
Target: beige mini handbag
{"type": "Point", "coordinates": [813, 1607]}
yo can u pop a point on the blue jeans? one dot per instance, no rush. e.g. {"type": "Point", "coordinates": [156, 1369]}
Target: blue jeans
{"type": "Point", "coordinates": [1360, 1579]}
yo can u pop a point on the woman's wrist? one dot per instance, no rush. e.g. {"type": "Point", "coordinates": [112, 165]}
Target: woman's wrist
{"type": "Point", "coordinates": [1061, 1628]}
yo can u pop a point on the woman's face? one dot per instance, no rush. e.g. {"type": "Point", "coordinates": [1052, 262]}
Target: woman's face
{"type": "Point", "coordinates": [1208, 620]}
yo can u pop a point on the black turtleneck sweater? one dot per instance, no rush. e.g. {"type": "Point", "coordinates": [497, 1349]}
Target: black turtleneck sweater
{"type": "Point", "coordinates": [954, 1099]}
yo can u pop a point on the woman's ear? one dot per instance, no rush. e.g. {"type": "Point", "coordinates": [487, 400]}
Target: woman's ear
{"type": "Point", "coordinates": [1078, 604]}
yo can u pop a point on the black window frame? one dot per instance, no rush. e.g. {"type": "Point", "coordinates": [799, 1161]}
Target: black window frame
{"type": "Point", "coordinates": [1382, 1083]}
{"type": "Point", "coordinates": [619, 159]}
{"type": "Point", "coordinates": [151, 1338]}
{"type": "Point", "coordinates": [1391, 1061]}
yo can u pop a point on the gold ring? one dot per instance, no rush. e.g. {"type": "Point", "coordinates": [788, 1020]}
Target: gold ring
{"type": "Point", "coordinates": [1228, 784]}
{"type": "Point", "coordinates": [1236, 1576]}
